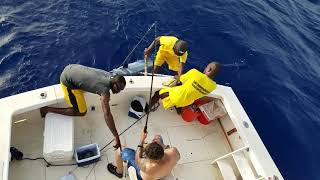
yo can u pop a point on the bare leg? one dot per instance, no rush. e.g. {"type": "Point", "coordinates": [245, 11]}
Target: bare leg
{"type": "Point", "coordinates": [119, 162]}
{"type": "Point", "coordinates": [64, 111]}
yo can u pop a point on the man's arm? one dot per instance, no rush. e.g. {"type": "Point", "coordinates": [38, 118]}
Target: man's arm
{"type": "Point", "coordinates": [183, 78]}
{"type": "Point", "coordinates": [154, 43]}
{"type": "Point", "coordinates": [179, 74]}
{"type": "Point", "coordinates": [139, 160]}
{"type": "Point", "coordinates": [176, 153]}
{"type": "Point", "coordinates": [105, 98]}
{"type": "Point", "coordinates": [180, 70]}
{"type": "Point", "coordinates": [182, 60]}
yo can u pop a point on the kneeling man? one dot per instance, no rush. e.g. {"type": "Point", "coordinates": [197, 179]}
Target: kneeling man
{"type": "Point", "coordinates": [191, 86]}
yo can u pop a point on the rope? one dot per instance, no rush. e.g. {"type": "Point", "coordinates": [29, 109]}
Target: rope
{"type": "Point", "coordinates": [149, 108]}
{"type": "Point", "coordinates": [48, 164]}
{"type": "Point", "coordinates": [134, 48]}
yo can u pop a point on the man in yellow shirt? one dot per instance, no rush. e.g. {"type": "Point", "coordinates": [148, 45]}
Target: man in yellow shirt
{"type": "Point", "coordinates": [171, 50]}
{"type": "Point", "coordinates": [195, 85]}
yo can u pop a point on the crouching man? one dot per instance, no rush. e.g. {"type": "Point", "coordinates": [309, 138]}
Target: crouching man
{"type": "Point", "coordinates": [154, 161]}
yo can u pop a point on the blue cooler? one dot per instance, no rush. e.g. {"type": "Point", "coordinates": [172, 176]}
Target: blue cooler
{"type": "Point", "coordinates": [87, 154]}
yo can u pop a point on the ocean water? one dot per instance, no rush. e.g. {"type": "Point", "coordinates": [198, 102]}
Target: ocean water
{"type": "Point", "coordinates": [269, 48]}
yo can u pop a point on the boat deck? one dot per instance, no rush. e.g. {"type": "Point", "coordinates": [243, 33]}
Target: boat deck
{"type": "Point", "coordinates": [197, 144]}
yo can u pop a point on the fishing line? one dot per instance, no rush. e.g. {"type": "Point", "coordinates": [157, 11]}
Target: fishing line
{"type": "Point", "coordinates": [122, 132]}
{"type": "Point", "coordinates": [237, 65]}
{"type": "Point", "coordinates": [134, 48]}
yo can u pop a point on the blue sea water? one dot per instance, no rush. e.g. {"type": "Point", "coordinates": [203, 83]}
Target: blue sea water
{"type": "Point", "coordinates": [270, 49]}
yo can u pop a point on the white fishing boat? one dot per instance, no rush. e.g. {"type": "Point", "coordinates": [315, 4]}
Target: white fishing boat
{"type": "Point", "coordinates": [228, 148]}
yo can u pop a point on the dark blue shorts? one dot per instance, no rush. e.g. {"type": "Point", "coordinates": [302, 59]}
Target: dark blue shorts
{"type": "Point", "coordinates": [129, 155]}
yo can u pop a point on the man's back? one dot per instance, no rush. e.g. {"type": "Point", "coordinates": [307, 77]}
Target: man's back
{"type": "Point", "coordinates": [159, 169]}
{"type": "Point", "coordinates": [76, 76]}
{"type": "Point", "coordinates": [194, 86]}
{"type": "Point", "coordinates": [166, 47]}
{"type": "Point", "coordinates": [167, 43]}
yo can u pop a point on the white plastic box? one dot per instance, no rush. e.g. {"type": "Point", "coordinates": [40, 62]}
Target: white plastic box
{"type": "Point", "coordinates": [58, 138]}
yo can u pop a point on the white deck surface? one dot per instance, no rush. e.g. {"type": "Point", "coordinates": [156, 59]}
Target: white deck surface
{"type": "Point", "coordinates": [197, 144]}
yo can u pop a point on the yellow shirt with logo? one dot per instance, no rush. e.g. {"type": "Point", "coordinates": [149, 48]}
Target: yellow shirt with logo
{"type": "Point", "coordinates": [166, 47]}
{"type": "Point", "coordinates": [195, 85]}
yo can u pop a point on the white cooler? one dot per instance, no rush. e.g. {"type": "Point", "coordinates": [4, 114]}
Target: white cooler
{"type": "Point", "coordinates": [58, 138]}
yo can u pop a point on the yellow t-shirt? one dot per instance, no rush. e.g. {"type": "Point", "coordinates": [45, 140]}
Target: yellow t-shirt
{"type": "Point", "coordinates": [195, 85]}
{"type": "Point", "coordinates": [166, 47]}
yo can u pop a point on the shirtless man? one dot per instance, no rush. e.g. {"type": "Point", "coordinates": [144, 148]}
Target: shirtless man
{"type": "Point", "coordinates": [155, 161]}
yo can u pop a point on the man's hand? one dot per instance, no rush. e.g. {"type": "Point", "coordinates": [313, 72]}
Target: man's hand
{"type": "Point", "coordinates": [118, 143]}
{"type": "Point", "coordinates": [146, 52]}
{"type": "Point", "coordinates": [177, 77]}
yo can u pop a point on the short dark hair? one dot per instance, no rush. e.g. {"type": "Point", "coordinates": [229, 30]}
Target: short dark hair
{"type": "Point", "coordinates": [218, 66]}
{"type": "Point", "coordinates": [180, 47]}
{"type": "Point", "coordinates": [120, 79]}
{"type": "Point", "coordinates": [154, 151]}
